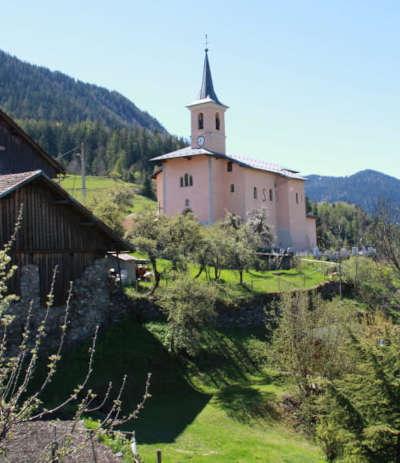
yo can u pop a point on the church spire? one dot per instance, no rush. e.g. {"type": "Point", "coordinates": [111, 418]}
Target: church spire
{"type": "Point", "coordinates": [207, 88]}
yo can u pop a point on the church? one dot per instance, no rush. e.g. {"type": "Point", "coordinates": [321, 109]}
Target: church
{"type": "Point", "coordinates": [206, 180]}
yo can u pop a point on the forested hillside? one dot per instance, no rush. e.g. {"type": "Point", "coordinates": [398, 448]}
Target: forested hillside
{"type": "Point", "coordinates": [340, 225]}
{"type": "Point", "coordinates": [35, 92]}
{"type": "Point", "coordinates": [60, 113]}
{"type": "Point", "coordinates": [365, 189]}
{"type": "Point", "coordinates": [122, 151]}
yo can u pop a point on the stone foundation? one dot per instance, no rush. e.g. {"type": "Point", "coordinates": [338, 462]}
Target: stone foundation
{"type": "Point", "coordinates": [94, 303]}
{"type": "Point", "coordinates": [98, 301]}
{"type": "Point", "coordinates": [260, 310]}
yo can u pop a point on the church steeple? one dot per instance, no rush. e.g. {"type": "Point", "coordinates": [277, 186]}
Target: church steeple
{"type": "Point", "coordinates": [208, 115]}
{"type": "Point", "coordinates": [207, 87]}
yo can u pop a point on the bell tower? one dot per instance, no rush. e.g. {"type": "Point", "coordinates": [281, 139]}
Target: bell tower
{"type": "Point", "coordinates": [208, 116]}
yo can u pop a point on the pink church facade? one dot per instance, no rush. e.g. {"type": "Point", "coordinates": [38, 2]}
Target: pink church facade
{"type": "Point", "coordinates": [205, 179]}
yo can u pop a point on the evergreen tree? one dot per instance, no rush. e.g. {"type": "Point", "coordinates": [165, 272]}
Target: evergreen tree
{"type": "Point", "coordinates": [361, 422]}
{"type": "Point", "coordinates": [147, 187]}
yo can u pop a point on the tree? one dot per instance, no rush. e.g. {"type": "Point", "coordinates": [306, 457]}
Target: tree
{"type": "Point", "coordinates": [190, 307]}
{"type": "Point", "coordinates": [308, 341]}
{"type": "Point", "coordinates": [386, 234]}
{"type": "Point", "coordinates": [147, 187]}
{"type": "Point", "coordinates": [110, 206]}
{"type": "Point", "coordinates": [149, 235]}
{"type": "Point", "coordinates": [375, 283]}
{"type": "Point", "coordinates": [212, 251]}
{"type": "Point", "coordinates": [361, 419]}
{"type": "Point", "coordinates": [21, 394]}
{"type": "Point", "coordinates": [183, 238]}
{"type": "Point", "coordinates": [241, 244]}
{"type": "Point", "coordinates": [340, 224]}
{"type": "Point", "coordinates": [257, 222]}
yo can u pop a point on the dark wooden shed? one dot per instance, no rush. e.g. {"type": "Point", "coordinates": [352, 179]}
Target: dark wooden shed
{"type": "Point", "coordinates": [56, 230]}
{"type": "Point", "coordinates": [19, 153]}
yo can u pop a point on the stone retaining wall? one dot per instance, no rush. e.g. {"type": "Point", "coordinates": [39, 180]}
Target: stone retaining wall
{"type": "Point", "coordinates": [257, 311]}
{"type": "Point", "coordinates": [97, 301]}
{"type": "Point", "coordinates": [94, 303]}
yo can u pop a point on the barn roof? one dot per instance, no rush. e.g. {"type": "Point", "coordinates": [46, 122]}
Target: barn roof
{"type": "Point", "coordinates": [35, 146]}
{"type": "Point", "coordinates": [189, 152]}
{"type": "Point", "coordinates": [12, 182]}
{"type": "Point", "coordinates": [9, 182]}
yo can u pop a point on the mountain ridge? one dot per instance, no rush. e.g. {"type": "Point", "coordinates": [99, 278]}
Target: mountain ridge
{"type": "Point", "coordinates": [29, 91]}
{"type": "Point", "coordinates": [365, 188]}
{"type": "Point", "coordinates": [61, 112]}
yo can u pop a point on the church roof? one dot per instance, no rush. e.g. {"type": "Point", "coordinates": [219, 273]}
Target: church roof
{"type": "Point", "coordinates": [241, 160]}
{"type": "Point", "coordinates": [207, 88]}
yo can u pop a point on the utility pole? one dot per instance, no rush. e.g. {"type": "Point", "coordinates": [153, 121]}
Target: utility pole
{"type": "Point", "coordinates": [83, 170]}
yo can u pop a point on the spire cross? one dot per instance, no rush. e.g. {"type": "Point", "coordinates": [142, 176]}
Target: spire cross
{"type": "Point", "coordinates": [206, 43]}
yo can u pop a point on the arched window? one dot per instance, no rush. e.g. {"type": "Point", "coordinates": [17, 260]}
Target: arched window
{"type": "Point", "coordinates": [201, 121]}
{"type": "Point", "coordinates": [187, 203]}
{"type": "Point", "coordinates": [255, 192]}
{"type": "Point", "coordinates": [217, 121]}
{"type": "Point", "coordinates": [186, 180]}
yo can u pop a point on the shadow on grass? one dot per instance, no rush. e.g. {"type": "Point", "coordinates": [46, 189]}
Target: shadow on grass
{"type": "Point", "coordinates": [259, 276]}
{"type": "Point", "coordinates": [225, 359]}
{"type": "Point", "coordinates": [245, 404]}
{"type": "Point", "coordinates": [286, 274]}
{"type": "Point", "coordinates": [129, 348]}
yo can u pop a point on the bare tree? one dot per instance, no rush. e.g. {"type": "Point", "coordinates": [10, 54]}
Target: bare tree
{"type": "Point", "coordinates": [385, 231]}
{"type": "Point", "coordinates": [20, 401]}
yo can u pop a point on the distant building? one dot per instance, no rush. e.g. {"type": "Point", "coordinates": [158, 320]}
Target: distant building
{"type": "Point", "coordinates": [125, 265]}
{"type": "Point", "coordinates": [56, 231]}
{"type": "Point", "coordinates": [206, 180]}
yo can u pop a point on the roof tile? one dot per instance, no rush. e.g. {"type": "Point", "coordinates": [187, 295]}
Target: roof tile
{"type": "Point", "coordinates": [11, 181]}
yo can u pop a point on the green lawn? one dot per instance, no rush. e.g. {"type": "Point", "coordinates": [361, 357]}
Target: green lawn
{"type": "Point", "coordinates": [97, 184]}
{"type": "Point", "coordinates": [217, 436]}
{"type": "Point", "coordinates": [221, 407]}
{"type": "Point", "coordinates": [308, 275]}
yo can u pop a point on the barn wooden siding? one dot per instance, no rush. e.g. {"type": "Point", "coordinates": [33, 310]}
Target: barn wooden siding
{"type": "Point", "coordinates": [16, 155]}
{"type": "Point", "coordinates": [53, 233]}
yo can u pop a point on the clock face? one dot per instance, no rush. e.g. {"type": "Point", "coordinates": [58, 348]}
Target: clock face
{"type": "Point", "coordinates": [200, 140]}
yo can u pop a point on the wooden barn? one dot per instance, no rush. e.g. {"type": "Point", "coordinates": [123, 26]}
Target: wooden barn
{"type": "Point", "coordinates": [56, 230]}
{"type": "Point", "coordinates": [19, 153]}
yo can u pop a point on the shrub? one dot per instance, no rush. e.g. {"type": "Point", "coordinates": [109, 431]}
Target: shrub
{"type": "Point", "coordinates": [190, 306]}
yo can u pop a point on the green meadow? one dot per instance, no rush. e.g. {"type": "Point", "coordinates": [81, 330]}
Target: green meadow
{"type": "Point", "coordinates": [98, 185]}
{"type": "Point", "coordinates": [221, 407]}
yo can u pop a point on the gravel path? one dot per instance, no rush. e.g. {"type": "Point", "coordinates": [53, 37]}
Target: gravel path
{"type": "Point", "coordinates": [32, 442]}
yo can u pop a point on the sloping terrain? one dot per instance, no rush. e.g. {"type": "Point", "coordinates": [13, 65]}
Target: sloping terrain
{"type": "Point", "coordinates": [35, 92]}
{"type": "Point", "coordinates": [222, 406]}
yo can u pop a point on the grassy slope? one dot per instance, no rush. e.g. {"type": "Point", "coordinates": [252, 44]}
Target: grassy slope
{"type": "Point", "coordinates": [219, 409]}
{"type": "Point", "coordinates": [308, 275]}
{"type": "Point", "coordinates": [94, 185]}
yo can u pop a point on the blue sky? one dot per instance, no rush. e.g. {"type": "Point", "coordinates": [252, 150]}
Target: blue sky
{"type": "Point", "coordinates": [312, 85]}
